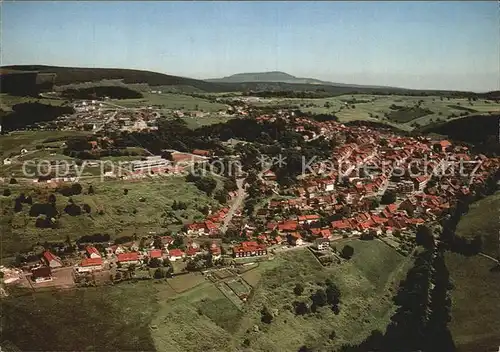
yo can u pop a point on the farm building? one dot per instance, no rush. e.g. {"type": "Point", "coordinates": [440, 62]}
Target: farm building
{"type": "Point", "coordinates": [249, 249]}
{"type": "Point", "coordinates": [89, 265]}
{"type": "Point", "coordinates": [128, 258]}
{"type": "Point", "coordinates": [93, 253]}
{"type": "Point", "coordinates": [52, 260]}
{"type": "Point", "coordinates": [41, 274]}
{"type": "Point", "coordinates": [175, 254]}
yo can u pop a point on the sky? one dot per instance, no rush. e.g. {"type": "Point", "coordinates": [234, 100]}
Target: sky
{"type": "Point", "coordinates": [425, 45]}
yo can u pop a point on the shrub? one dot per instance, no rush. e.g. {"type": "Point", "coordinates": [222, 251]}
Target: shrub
{"type": "Point", "coordinates": [7, 192]}
{"type": "Point", "coordinates": [86, 208]}
{"type": "Point", "coordinates": [298, 289]}
{"type": "Point", "coordinates": [266, 316]}
{"type": "Point", "coordinates": [347, 252]}
{"type": "Point", "coordinates": [72, 190]}
{"type": "Point", "coordinates": [159, 273]}
{"type": "Point", "coordinates": [73, 209]}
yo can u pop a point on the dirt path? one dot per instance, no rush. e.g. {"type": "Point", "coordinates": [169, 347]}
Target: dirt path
{"type": "Point", "coordinates": [235, 206]}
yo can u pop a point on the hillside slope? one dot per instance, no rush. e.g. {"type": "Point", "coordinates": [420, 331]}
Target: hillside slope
{"type": "Point", "coordinates": [70, 75]}
{"type": "Point", "coordinates": [480, 130]}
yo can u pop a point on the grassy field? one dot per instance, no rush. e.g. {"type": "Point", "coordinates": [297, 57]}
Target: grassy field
{"type": "Point", "coordinates": [192, 314]}
{"type": "Point", "coordinates": [367, 282]}
{"type": "Point", "coordinates": [12, 143]}
{"type": "Point", "coordinates": [475, 302]}
{"type": "Point", "coordinates": [483, 219]}
{"type": "Point", "coordinates": [198, 320]}
{"type": "Point", "coordinates": [146, 207]}
{"type": "Point", "coordinates": [7, 101]}
{"type": "Point", "coordinates": [174, 102]}
{"type": "Point", "coordinates": [112, 318]}
{"type": "Point", "coordinates": [378, 108]}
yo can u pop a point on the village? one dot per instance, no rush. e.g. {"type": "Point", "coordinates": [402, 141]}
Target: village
{"type": "Point", "coordinates": [376, 185]}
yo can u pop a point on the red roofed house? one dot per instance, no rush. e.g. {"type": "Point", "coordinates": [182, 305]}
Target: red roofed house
{"type": "Point", "coordinates": [341, 225]}
{"type": "Point", "coordinates": [175, 254]}
{"type": "Point", "coordinates": [421, 182]}
{"type": "Point", "coordinates": [295, 239]}
{"type": "Point", "coordinates": [202, 228]}
{"type": "Point", "coordinates": [201, 152]}
{"type": "Point", "coordinates": [326, 233]}
{"type": "Point", "coordinates": [192, 252]}
{"type": "Point", "coordinates": [41, 274]}
{"type": "Point", "coordinates": [52, 260]}
{"type": "Point", "coordinates": [288, 226]}
{"type": "Point", "coordinates": [307, 219]}
{"type": "Point", "coordinates": [444, 144]}
{"type": "Point", "coordinates": [92, 252]}
{"type": "Point", "coordinates": [128, 258]}
{"type": "Point", "coordinates": [89, 265]}
{"type": "Point", "coordinates": [155, 253]}
{"type": "Point", "coordinates": [215, 251]}
{"type": "Point", "coordinates": [269, 175]}
{"type": "Point", "coordinates": [249, 249]}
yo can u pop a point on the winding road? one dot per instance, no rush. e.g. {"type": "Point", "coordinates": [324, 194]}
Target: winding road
{"type": "Point", "coordinates": [238, 201]}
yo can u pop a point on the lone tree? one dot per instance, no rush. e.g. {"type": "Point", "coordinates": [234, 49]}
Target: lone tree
{"type": "Point", "coordinates": [266, 316]}
{"type": "Point", "coordinates": [347, 252]}
{"type": "Point", "coordinates": [52, 198]}
{"type": "Point", "coordinates": [159, 273]}
{"type": "Point", "coordinates": [389, 197]}
{"type": "Point", "coordinates": [298, 289]}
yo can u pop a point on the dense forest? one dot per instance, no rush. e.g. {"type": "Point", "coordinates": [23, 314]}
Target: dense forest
{"type": "Point", "coordinates": [481, 130]}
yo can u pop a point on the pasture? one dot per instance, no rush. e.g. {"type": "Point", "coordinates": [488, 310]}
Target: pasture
{"type": "Point", "coordinates": [99, 318]}
{"type": "Point", "coordinates": [377, 108]}
{"type": "Point", "coordinates": [197, 320]}
{"type": "Point", "coordinates": [483, 219]}
{"type": "Point", "coordinates": [12, 143]}
{"type": "Point", "coordinates": [170, 101]}
{"type": "Point", "coordinates": [367, 283]}
{"type": "Point", "coordinates": [146, 207]}
{"type": "Point", "coordinates": [475, 303]}
{"type": "Point", "coordinates": [7, 101]}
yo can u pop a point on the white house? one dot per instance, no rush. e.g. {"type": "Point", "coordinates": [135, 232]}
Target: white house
{"type": "Point", "coordinates": [322, 244]}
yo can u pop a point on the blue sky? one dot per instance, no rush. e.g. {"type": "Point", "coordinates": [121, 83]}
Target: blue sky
{"type": "Point", "coordinates": [439, 45]}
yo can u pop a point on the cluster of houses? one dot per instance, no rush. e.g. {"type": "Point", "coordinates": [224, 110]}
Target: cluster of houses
{"type": "Point", "coordinates": [344, 196]}
{"type": "Point", "coordinates": [339, 197]}
{"type": "Point", "coordinates": [122, 255]}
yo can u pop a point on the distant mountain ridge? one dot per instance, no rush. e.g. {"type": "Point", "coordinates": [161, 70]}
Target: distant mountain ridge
{"type": "Point", "coordinates": [278, 76]}
{"type": "Point", "coordinates": [27, 79]}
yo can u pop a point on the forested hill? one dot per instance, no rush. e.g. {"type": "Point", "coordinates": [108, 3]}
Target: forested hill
{"type": "Point", "coordinates": [71, 75]}
{"type": "Point", "coordinates": [11, 78]}
{"type": "Point", "coordinates": [482, 131]}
